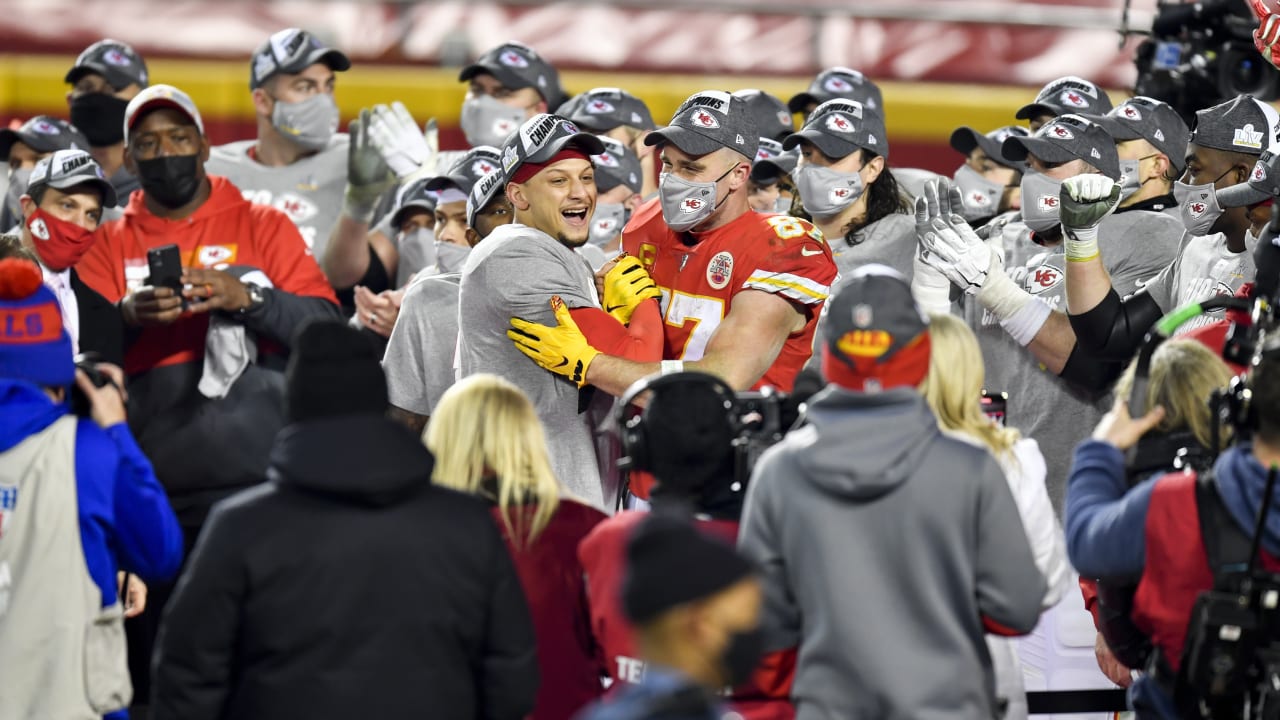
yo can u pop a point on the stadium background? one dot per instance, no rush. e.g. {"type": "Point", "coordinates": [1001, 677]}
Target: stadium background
{"type": "Point", "coordinates": [940, 63]}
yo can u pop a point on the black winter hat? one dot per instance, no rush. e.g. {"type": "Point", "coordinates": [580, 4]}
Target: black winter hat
{"type": "Point", "coordinates": [334, 370]}
{"type": "Point", "coordinates": [671, 563]}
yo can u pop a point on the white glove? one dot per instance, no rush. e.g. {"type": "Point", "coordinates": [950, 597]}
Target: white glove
{"type": "Point", "coordinates": [947, 243]}
{"type": "Point", "coordinates": [407, 151]}
{"type": "Point", "coordinates": [1086, 200]}
{"type": "Point", "coordinates": [930, 288]}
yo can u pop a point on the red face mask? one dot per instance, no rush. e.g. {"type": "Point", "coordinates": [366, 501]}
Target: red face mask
{"type": "Point", "coordinates": [60, 244]}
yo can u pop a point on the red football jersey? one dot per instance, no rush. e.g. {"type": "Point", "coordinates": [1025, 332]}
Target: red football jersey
{"type": "Point", "coordinates": [776, 254]}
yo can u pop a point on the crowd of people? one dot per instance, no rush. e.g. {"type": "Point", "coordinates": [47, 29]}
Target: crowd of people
{"type": "Point", "coordinates": [333, 424]}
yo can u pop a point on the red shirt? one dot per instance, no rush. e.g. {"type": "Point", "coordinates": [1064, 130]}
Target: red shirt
{"type": "Point", "coordinates": [552, 578]}
{"type": "Point", "coordinates": [603, 555]}
{"type": "Point", "coordinates": [777, 254]}
{"type": "Point", "coordinates": [225, 230]}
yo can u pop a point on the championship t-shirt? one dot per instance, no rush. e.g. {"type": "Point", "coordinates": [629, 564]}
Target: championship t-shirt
{"type": "Point", "coordinates": [420, 352]}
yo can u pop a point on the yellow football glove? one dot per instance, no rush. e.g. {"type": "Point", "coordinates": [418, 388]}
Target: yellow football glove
{"type": "Point", "coordinates": [562, 349]}
{"type": "Point", "coordinates": [627, 285]}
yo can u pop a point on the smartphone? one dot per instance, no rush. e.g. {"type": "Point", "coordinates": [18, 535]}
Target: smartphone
{"type": "Point", "coordinates": [994, 405]}
{"type": "Point", "coordinates": [165, 265]}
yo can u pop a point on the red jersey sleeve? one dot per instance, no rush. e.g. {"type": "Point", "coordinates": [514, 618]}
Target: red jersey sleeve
{"type": "Point", "coordinates": [285, 257]}
{"type": "Point", "coordinates": [795, 261]}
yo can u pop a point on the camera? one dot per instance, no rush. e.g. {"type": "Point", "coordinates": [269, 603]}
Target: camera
{"type": "Point", "coordinates": [87, 362]}
{"type": "Point", "coordinates": [763, 418]}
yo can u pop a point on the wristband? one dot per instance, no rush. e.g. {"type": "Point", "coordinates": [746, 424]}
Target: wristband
{"type": "Point", "coordinates": [1081, 244]}
{"type": "Point", "coordinates": [671, 366]}
{"type": "Point", "coordinates": [1024, 324]}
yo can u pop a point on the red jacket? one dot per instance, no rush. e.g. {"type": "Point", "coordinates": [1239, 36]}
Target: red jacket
{"type": "Point", "coordinates": [553, 582]}
{"type": "Point", "coordinates": [603, 556]}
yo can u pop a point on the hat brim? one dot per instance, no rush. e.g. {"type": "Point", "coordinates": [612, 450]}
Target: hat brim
{"type": "Point", "coordinates": [74, 74]}
{"type": "Point", "coordinates": [965, 140]}
{"type": "Point", "coordinates": [1241, 195]}
{"type": "Point", "coordinates": [507, 77]}
{"type": "Point", "coordinates": [1035, 110]}
{"type": "Point", "coordinates": [690, 142]}
{"type": "Point", "coordinates": [1016, 149]}
{"type": "Point", "coordinates": [398, 216]}
{"type": "Point", "coordinates": [771, 170]}
{"type": "Point", "coordinates": [156, 104]}
{"type": "Point", "coordinates": [9, 137]}
{"type": "Point", "coordinates": [443, 182]}
{"type": "Point", "coordinates": [832, 147]}
{"type": "Point", "coordinates": [108, 192]}
{"type": "Point", "coordinates": [801, 101]}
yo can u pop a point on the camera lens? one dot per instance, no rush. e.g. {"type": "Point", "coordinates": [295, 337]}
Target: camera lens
{"type": "Point", "coordinates": [1243, 72]}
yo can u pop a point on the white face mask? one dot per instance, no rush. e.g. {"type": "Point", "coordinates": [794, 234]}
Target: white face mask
{"type": "Point", "coordinates": [1198, 205]}
{"type": "Point", "coordinates": [1040, 201]}
{"type": "Point", "coordinates": [981, 197]}
{"type": "Point", "coordinates": [487, 120]}
{"type": "Point", "coordinates": [826, 192]}
{"type": "Point", "coordinates": [607, 223]}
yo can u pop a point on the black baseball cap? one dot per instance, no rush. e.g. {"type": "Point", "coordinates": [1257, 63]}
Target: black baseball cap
{"type": "Point", "coordinates": [710, 120]}
{"type": "Point", "coordinates": [43, 134]}
{"type": "Point", "coordinates": [1151, 120]}
{"type": "Point", "coordinates": [414, 196]}
{"type": "Point", "coordinates": [66, 169]}
{"type": "Point", "coordinates": [617, 165]}
{"type": "Point", "coordinates": [1067, 138]}
{"type": "Point", "coordinates": [773, 162]}
{"type": "Point", "coordinates": [118, 63]}
{"type": "Point", "coordinates": [838, 83]}
{"type": "Point", "coordinates": [773, 118]}
{"type": "Point", "coordinates": [290, 51]}
{"type": "Point", "coordinates": [965, 139]}
{"type": "Point", "coordinates": [603, 109]}
{"type": "Point", "coordinates": [516, 66]}
{"type": "Point", "coordinates": [840, 127]}
{"type": "Point", "coordinates": [467, 171]}
{"type": "Point", "coordinates": [1065, 96]}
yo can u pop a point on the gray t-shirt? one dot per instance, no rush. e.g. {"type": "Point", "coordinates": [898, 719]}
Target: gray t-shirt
{"type": "Point", "coordinates": [309, 191]}
{"type": "Point", "coordinates": [1204, 269]}
{"type": "Point", "coordinates": [420, 352]}
{"type": "Point", "coordinates": [514, 273]}
{"type": "Point", "coordinates": [891, 241]}
{"type": "Point", "coordinates": [1135, 246]}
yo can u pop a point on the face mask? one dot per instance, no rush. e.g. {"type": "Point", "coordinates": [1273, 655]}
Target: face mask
{"type": "Point", "coordinates": [686, 204]}
{"type": "Point", "coordinates": [60, 244]}
{"type": "Point", "coordinates": [743, 654]}
{"type": "Point", "coordinates": [1130, 174]}
{"type": "Point", "coordinates": [1040, 203]}
{"type": "Point", "coordinates": [981, 196]}
{"type": "Point", "coordinates": [1198, 205]}
{"type": "Point", "coordinates": [826, 192]}
{"type": "Point", "coordinates": [488, 121]}
{"type": "Point", "coordinates": [171, 180]}
{"type": "Point", "coordinates": [450, 256]}
{"type": "Point", "coordinates": [607, 223]}
{"type": "Point", "coordinates": [100, 117]}
{"type": "Point", "coordinates": [309, 124]}
{"type": "Point", "coordinates": [18, 181]}
{"type": "Point", "coordinates": [782, 205]}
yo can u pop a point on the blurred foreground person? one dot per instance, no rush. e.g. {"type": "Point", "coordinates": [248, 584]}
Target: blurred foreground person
{"type": "Point", "coordinates": [347, 585]}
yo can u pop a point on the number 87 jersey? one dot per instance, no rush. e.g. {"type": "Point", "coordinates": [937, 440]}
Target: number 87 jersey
{"type": "Point", "coordinates": [776, 254]}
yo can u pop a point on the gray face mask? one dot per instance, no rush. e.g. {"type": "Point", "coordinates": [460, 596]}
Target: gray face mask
{"type": "Point", "coordinates": [450, 256]}
{"type": "Point", "coordinates": [1130, 177]}
{"type": "Point", "coordinates": [18, 181]}
{"type": "Point", "coordinates": [309, 124]}
{"type": "Point", "coordinates": [417, 249]}
{"type": "Point", "coordinates": [687, 204]}
{"type": "Point", "coordinates": [488, 121]}
{"type": "Point", "coordinates": [607, 223]}
{"type": "Point", "coordinates": [826, 192]}
{"type": "Point", "coordinates": [782, 205]}
{"type": "Point", "coordinates": [980, 196]}
{"type": "Point", "coordinates": [1198, 205]}
{"type": "Point", "coordinates": [1040, 203]}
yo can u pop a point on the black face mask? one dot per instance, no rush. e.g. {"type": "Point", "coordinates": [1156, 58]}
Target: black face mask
{"type": "Point", "coordinates": [743, 654]}
{"type": "Point", "coordinates": [171, 180]}
{"type": "Point", "coordinates": [100, 117]}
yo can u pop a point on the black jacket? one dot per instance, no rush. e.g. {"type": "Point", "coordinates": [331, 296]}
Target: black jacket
{"type": "Point", "coordinates": [347, 587]}
{"type": "Point", "coordinates": [101, 326]}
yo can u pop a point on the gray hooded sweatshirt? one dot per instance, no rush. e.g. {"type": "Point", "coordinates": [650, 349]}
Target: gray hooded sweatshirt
{"type": "Point", "coordinates": [887, 549]}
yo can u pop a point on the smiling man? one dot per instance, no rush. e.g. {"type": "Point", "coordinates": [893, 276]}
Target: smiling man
{"type": "Point", "coordinates": [529, 270]}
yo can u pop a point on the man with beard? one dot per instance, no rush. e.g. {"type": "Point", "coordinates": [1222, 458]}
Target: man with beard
{"type": "Point", "coordinates": [106, 76]}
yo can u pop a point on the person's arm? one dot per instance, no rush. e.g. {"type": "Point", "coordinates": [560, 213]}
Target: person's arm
{"type": "Point", "coordinates": [639, 342]}
{"type": "Point", "coordinates": [346, 257]}
{"type": "Point", "coordinates": [353, 249]}
{"type": "Point", "coordinates": [509, 673]}
{"type": "Point", "coordinates": [192, 665]}
{"type": "Point", "coordinates": [410, 419]}
{"type": "Point", "coordinates": [1010, 588]}
{"type": "Point", "coordinates": [300, 290]}
{"type": "Point", "coordinates": [1114, 328]}
{"type": "Point", "coordinates": [148, 537]}
{"type": "Point", "coordinates": [759, 540]}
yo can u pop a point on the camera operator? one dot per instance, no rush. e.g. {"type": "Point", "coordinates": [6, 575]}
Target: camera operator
{"type": "Point", "coordinates": [78, 501]}
{"type": "Point", "coordinates": [1154, 532]}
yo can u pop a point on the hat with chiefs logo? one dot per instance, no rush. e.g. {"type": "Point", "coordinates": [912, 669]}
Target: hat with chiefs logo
{"type": "Point", "coordinates": [517, 66]}
{"type": "Point", "coordinates": [1067, 138]}
{"type": "Point", "coordinates": [838, 83]}
{"type": "Point", "coordinates": [603, 109]}
{"type": "Point", "coordinates": [873, 335]}
{"type": "Point", "coordinates": [1263, 184]}
{"type": "Point", "coordinates": [65, 169]}
{"type": "Point", "coordinates": [710, 120]}
{"type": "Point", "coordinates": [539, 141]}
{"type": "Point", "coordinates": [1067, 95]}
{"type": "Point", "coordinates": [838, 128]}
{"type": "Point", "coordinates": [115, 61]}
{"type": "Point", "coordinates": [43, 134]}
{"type": "Point", "coordinates": [773, 162]}
{"type": "Point", "coordinates": [467, 171]}
{"type": "Point", "coordinates": [965, 140]}
{"type": "Point", "coordinates": [617, 165]}
{"type": "Point", "coordinates": [1149, 119]}
{"type": "Point", "coordinates": [773, 117]}
{"type": "Point", "coordinates": [290, 51]}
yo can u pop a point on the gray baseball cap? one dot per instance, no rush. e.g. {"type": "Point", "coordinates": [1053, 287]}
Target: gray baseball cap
{"type": "Point", "coordinates": [773, 118]}
{"type": "Point", "coordinates": [707, 121]}
{"type": "Point", "coordinates": [467, 171]}
{"type": "Point", "coordinates": [773, 162]}
{"type": "Point", "coordinates": [603, 109]}
{"type": "Point", "coordinates": [118, 63]}
{"type": "Point", "coordinates": [965, 139]}
{"type": "Point", "coordinates": [1067, 138]}
{"type": "Point", "coordinates": [44, 134]}
{"type": "Point", "coordinates": [617, 165]}
{"type": "Point", "coordinates": [516, 66]}
{"type": "Point", "coordinates": [540, 138]}
{"type": "Point", "coordinates": [1242, 125]}
{"type": "Point", "coordinates": [1263, 184]}
{"type": "Point", "coordinates": [290, 51]}
{"type": "Point", "coordinates": [66, 169]}
{"type": "Point", "coordinates": [483, 193]}
{"type": "Point", "coordinates": [839, 127]}
{"type": "Point", "coordinates": [1149, 119]}
{"type": "Point", "coordinates": [839, 83]}
{"type": "Point", "coordinates": [1065, 96]}
{"type": "Point", "coordinates": [414, 196]}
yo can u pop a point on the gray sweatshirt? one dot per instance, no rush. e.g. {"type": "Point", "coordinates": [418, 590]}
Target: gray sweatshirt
{"type": "Point", "coordinates": [887, 550]}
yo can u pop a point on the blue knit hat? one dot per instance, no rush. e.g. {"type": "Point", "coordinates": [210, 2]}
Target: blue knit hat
{"type": "Point", "coordinates": [34, 347]}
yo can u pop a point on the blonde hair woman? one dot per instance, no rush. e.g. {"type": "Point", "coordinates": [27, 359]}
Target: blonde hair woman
{"type": "Point", "coordinates": [953, 389]}
{"type": "Point", "coordinates": [487, 441]}
{"type": "Point", "coordinates": [1182, 375]}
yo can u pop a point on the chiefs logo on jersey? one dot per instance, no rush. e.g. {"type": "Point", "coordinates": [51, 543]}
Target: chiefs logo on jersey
{"type": "Point", "coordinates": [1047, 203]}
{"type": "Point", "coordinates": [692, 205]}
{"type": "Point", "coordinates": [298, 208]}
{"type": "Point", "coordinates": [704, 119]}
{"type": "Point", "coordinates": [1043, 278]}
{"type": "Point", "coordinates": [1197, 209]}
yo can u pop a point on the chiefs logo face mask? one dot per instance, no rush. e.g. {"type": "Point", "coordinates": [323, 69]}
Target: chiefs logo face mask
{"type": "Point", "coordinates": [60, 244]}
